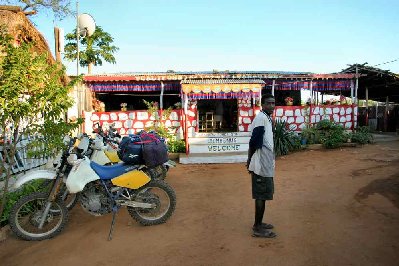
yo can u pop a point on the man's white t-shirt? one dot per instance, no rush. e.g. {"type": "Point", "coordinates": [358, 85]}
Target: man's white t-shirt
{"type": "Point", "coordinates": [262, 161]}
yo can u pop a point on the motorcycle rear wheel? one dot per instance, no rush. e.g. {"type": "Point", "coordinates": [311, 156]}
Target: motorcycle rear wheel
{"type": "Point", "coordinates": [161, 195]}
{"type": "Point", "coordinates": [25, 217]}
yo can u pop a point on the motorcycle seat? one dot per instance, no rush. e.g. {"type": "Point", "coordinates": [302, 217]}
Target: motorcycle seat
{"type": "Point", "coordinates": [110, 171]}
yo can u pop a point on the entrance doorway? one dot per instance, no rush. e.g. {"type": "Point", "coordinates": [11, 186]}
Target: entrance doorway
{"type": "Point", "coordinates": [217, 115]}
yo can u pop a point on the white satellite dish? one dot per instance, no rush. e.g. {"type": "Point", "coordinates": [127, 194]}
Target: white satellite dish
{"type": "Point", "coordinates": [86, 24]}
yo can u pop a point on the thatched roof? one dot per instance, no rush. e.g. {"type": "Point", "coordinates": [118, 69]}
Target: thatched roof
{"type": "Point", "coordinates": [20, 27]}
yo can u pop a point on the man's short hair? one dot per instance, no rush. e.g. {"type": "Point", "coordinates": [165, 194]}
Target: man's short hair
{"type": "Point", "coordinates": [267, 96]}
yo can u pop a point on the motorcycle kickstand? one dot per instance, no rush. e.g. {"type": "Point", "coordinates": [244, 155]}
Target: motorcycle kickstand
{"type": "Point", "coordinates": [114, 210]}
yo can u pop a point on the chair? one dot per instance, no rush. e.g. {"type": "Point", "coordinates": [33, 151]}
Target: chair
{"type": "Point", "coordinates": [209, 121]}
{"type": "Point", "coordinates": [201, 122]}
{"type": "Point", "coordinates": [218, 121]}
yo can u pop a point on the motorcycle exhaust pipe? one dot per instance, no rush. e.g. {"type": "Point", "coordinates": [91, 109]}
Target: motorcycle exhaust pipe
{"type": "Point", "coordinates": [136, 204]}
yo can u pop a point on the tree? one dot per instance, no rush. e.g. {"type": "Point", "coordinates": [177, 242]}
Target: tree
{"type": "Point", "coordinates": [60, 8]}
{"type": "Point", "coordinates": [98, 46]}
{"type": "Point", "coordinates": [32, 103]}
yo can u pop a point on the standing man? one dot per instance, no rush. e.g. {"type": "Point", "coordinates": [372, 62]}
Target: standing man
{"type": "Point", "coordinates": [260, 164]}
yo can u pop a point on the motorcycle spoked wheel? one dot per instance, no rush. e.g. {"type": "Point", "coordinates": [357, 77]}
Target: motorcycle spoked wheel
{"type": "Point", "coordinates": [26, 213]}
{"type": "Point", "coordinates": [161, 195]}
{"type": "Point", "coordinates": [69, 199]}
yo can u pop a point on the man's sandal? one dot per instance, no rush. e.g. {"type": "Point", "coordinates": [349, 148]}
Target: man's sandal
{"type": "Point", "coordinates": [263, 233]}
{"type": "Point", "coordinates": [265, 226]}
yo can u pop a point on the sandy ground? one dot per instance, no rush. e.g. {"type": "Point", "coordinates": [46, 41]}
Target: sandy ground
{"type": "Point", "coordinates": [336, 207]}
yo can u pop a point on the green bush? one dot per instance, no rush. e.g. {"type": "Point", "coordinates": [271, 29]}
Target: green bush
{"type": "Point", "coordinates": [284, 139]}
{"type": "Point", "coordinates": [176, 146]}
{"type": "Point", "coordinates": [362, 136]}
{"type": "Point", "coordinates": [13, 197]}
{"type": "Point", "coordinates": [295, 141]}
{"type": "Point", "coordinates": [332, 135]}
{"type": "Point", "coordinates": [311, 135]}
{"type": "Point", "coordinates": [326, 124]}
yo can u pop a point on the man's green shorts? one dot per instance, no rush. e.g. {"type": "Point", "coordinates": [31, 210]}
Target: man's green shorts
{"type": "Point", "coordinates": [262, 187]}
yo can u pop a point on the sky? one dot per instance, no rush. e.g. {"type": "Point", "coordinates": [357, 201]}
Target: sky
{"type": "Point", "coordinates": [254, 35]}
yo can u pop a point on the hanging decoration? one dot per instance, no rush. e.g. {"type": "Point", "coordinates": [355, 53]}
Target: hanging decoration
{"type": "Point", "coordinates": [218, 88]}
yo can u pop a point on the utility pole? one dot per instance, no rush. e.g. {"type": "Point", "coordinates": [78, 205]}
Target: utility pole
{"type": "Point", "coordinates": [77, 86]}
{"type": "Point", "coordinates": [77, 38]}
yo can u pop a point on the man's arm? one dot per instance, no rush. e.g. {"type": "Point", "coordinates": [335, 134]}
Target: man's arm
{"type": "Point", "coordinates": [255, 142]}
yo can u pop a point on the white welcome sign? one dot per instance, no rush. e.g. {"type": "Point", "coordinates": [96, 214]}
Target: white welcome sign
{"type": "Point", "coordinates": [214, 143]}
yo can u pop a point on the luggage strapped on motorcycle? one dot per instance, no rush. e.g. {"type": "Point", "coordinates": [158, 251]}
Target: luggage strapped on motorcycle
{"type": "Point", "coordinates": [144, 148]}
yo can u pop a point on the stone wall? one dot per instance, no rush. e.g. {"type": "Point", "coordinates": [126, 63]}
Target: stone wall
{"type": "Point", "coordinates": [130, 122]}
{"type": "Point", "coordinates": [246, 114]}
{"type": "Point", "coordinates": [299, 116]}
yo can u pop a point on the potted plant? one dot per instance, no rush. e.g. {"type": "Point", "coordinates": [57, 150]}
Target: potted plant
{"type": "Point", "coordinates": [334, 102]}
{"type": "Point", "coordinates": [288, 100]}
{"type": "Point", "coordinates": [178, 105]}
{"type": "Point", "coordinates": [343, 100]}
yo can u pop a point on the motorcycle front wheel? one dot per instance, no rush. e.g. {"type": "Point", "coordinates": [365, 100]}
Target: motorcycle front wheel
{"type": "Point", "coordinates": [163, 198]}
{"type": "Point", "coordinates": [26, 214]}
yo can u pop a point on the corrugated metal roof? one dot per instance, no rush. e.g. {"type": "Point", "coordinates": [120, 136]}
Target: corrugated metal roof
{"type": "Point", "coordinates": [179, 76]}
{"type": "Point", "coordinates": [212, 72]}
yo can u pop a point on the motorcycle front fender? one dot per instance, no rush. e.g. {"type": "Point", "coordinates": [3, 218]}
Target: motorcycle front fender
{"type": "Point", "coordinates": [33, 175]}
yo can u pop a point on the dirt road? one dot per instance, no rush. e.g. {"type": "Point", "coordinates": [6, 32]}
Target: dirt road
{"type": "Point", "coordinates": [338, 207]}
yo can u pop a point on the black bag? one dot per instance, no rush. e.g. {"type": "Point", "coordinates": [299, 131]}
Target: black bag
{"type": "Point", "coordinates": [130, 150]}
{"type": "Point", "coordinates": [155, 153]}
{"type": "Point", "coordinates": [145, 148]}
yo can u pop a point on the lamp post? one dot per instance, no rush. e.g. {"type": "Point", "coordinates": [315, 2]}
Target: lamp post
{"type": "Point", "coordinates": [77, 38]}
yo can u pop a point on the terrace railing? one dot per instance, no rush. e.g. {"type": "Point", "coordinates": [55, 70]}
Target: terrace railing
{"type": "Point", "coordinates": [21, 160]}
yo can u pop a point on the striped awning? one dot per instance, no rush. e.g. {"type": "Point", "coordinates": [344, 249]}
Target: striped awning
{"type": "Point", "coordinates": [131, 87]}
{"type": "Point", "coordinates": [332, 85]}
{"type": "Point", "coordinates": [317, 85]}
{"type": "Point", "coordinates": [222, 86]}
{"type": "Point", "coordinates": [222, 95]}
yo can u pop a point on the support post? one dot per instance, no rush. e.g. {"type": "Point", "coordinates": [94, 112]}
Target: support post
{"type": "Point", "coordinates": [161, 104]}
{"type": "Point", "coordinates": [352, 105]}
{"type": "Point", "coordinates": [356, 84]}
{"type": "Point", "coordinates": [386, 113]}
{"type": "Point", "coordinates": [356, 98]}
{"type": "Point", "coordinates": [310, 104]}
{"type": "Point", "coordinates": [367, 106]}
{"type": "Point", "coordinates": [273, 84]}
{"type": "Point", "coordinates": [185, 122]}
{"type": "Point", "coordinates": [376, 117]}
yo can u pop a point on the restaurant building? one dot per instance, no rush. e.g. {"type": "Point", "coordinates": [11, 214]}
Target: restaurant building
{"type": "Point", "coordinates": [212, 111]}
